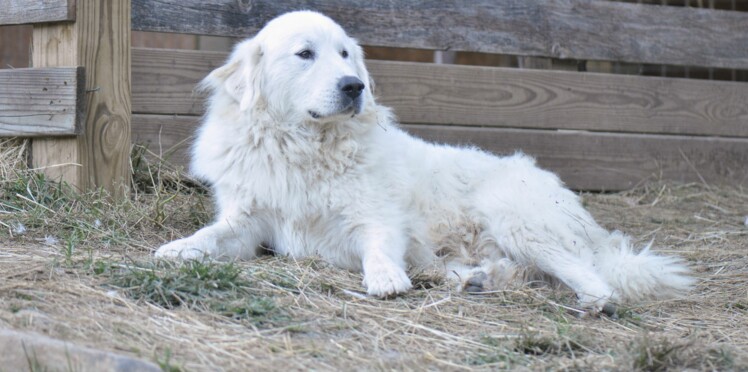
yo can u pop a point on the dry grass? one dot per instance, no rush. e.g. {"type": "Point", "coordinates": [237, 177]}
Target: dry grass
{"type": "Point", "coordinates": [78, 267]}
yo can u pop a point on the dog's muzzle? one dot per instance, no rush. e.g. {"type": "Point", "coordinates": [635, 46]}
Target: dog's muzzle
{"type": "Point", "coordinates": [351, 86]}
{"type": "Point", "coordinates": [351, 99]}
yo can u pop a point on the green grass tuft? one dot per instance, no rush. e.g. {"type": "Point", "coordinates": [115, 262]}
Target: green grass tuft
{"type": "Point", "coordinates": [169, 285]}
{"type": "Point", "coordinates": [497, 355]}
{"type": "Point", "coordinates": [166, 363]}
{"type": "Point", "coordinates": [199, 285]}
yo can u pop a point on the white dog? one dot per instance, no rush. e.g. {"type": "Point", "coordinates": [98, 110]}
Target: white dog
{"type": "Point", "coordinates": [302, 159]}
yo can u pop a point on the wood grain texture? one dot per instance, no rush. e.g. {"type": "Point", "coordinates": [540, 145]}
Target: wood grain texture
{"type": "Point", "coordinates": [15, 42]}
{"type": "Point", "coordinates": [16, 12]}
{"type": "Point", "coordinates": [164, 80]}
{"type": "Point", "coordinates": [584, 160]}
{"type": "Point", "coordinates": [520, 98]}
{"type": "Point", "coordinates": [100, 41]}
{"type": "Point", "coordinates": [59, 158]}
{"type": "Point", "coordinates": [609, 161]}
{"type": "Point", "coordinates": [578, 29]}
{"type": "Point", "coordinates": [167, 136]}
{"type": "Point", "coordinates": [41, 101]}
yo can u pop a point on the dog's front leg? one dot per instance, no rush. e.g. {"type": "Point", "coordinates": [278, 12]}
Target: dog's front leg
{"type": "Point", "coordinates": [383, 255]}
{"type": "Point", "coordinates": [231, 236]}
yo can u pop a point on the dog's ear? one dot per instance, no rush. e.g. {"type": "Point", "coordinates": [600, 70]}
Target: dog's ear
{"type": "Point", "coordinates": [240, 75]}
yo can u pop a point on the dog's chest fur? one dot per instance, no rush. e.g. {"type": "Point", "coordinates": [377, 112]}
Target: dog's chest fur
{"type": "Point", "coordinates": [306, 182]}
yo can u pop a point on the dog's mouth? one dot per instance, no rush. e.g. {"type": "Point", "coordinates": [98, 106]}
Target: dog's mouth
{"type": "Point", "coordinates": [345, 107]}
{"type": "Point", "coordinates": [350, 110]}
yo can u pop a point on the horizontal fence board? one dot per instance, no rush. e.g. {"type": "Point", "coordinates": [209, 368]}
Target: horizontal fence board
{"type": "Point", "coordinates": [15, 12]}
{"type": "Point", "coordinates": [164, 80]}
{"type": "Point", "coordinates": [523, 98]}
{"type": "Point", "coordinates": [610, 161]}
{"type": "Point", "coordinates": [578, 29]}
{"type": "Point", "coordinates": [41, 101]}
{"type": "Point", "coordinates": [584, 160]}
{"type": "Point", "coordinates": [167, 136]}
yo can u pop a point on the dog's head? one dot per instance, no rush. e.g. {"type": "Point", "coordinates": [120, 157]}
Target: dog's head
{"type": "Point", "coordinates": [301, 64]}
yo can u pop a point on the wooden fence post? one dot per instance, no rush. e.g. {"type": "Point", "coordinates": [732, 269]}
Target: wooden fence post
{"type": "Point", "coordinates": [98, 40]}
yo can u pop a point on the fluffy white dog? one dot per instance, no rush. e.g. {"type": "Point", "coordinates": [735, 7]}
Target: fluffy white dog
{"type": "Point", "coordinates": [302, 159]}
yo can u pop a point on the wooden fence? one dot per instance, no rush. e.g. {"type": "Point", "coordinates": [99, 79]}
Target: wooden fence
{"type": "Point", "coordinates": [599, 131]}
{"type": "Point", "coordinates": [93, 35]}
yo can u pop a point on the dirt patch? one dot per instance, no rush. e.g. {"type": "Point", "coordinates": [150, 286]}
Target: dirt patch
{"type": "Point", "coordinates": [79, 268]}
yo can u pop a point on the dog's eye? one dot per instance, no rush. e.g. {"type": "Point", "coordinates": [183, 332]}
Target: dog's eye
{"type": "Point", "coordinates": [344, 54]}
{"type": "Point", "coordinates": [305, 54]}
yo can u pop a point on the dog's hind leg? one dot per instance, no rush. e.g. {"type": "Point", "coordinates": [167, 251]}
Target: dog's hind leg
{"type": "Point", "coordinates": [564, 256]}
{"type": "Point", "coordinates": [227, 238]}
{"type": "Point", "coordinates": [591, 289]}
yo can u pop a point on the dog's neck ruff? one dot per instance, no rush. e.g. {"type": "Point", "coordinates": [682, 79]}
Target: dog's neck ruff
{"type": "Point", "coordinates": [310, 146]}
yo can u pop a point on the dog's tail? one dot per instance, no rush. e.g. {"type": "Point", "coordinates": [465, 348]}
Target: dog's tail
{"type": "Point", "coordinates": [643, 275]}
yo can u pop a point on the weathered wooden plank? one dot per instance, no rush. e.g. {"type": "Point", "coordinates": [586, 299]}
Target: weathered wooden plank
{"type": "Point", "coordinates": [581, 29]}
{"type": "Point", "coordinates": [41, 101]}
{"type": "Point", "coordinates": [584, 160]}
{"type": "Point", "coordinates": [99, 40]}
{"type": "Point", "coordinates": [15, 12]}
{"type": "Point", "coordinates": [610, 161]}
{"type": "Point", "coordinates": [59, 158]}
{"type": "Point", "coordinates": [15, 42]}
{"type": "Point", "coordinates": [164, 80]}
{"type": "Point", "coordinates": [163, 83]}
{"type": "Point", "coordinates": [520, 98]}
{"type": "Point", "coordinates": [167, 136]}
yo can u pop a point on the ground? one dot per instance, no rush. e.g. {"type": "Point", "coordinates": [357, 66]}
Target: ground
{"type": "Point", "coordinates": [80, 268]}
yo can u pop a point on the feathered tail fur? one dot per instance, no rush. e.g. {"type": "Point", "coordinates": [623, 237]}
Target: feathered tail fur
{"type": "Point", "coordinates": [641, 275]}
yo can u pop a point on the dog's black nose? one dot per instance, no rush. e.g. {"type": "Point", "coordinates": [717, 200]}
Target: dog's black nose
{"type": "Point", "coordinates": [351, 86]}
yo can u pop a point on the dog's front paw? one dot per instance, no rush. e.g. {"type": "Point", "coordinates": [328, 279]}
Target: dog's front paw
{"type": "Point", "coordinates": [386, 281]}
{"type": "Point", "coordinates": [182, 249]}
